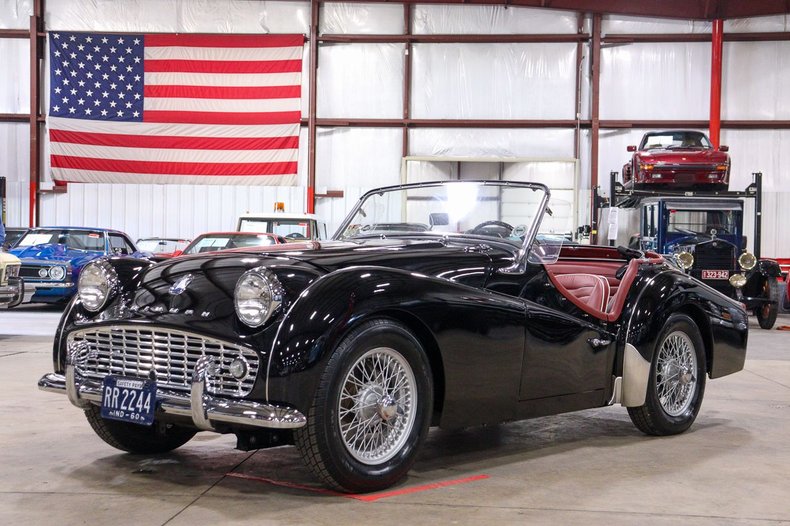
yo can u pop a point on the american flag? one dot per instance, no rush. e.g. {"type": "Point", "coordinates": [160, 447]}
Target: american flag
{"type": "Point", "coordinates": [173, 108]}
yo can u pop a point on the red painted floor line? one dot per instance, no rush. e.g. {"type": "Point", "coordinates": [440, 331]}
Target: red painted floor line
{"type": "Point", "coordinates": [372, 497]}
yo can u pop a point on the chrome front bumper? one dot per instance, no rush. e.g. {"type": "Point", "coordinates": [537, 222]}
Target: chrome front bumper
{"type": "Point", "coordinates": [204, 409]}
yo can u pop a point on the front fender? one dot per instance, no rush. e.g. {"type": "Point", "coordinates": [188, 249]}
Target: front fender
{"type": "Point", "coordinates": [461, 322]}
{"type": "Point", "coordinates": [722, 323]}
{"type": "Point", "coordinates": [769, 268]}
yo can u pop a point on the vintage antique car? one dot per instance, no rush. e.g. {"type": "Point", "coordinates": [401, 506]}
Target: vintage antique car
{"type": "Point", "coordinates": [705, 237]}
{"type": "Point", "coordinates": [351, 348]}
{"type": "Point", "coordinates": [11, 285]}
{"type": "Point", "coordinates": [53, 257]}
{"type": "Point", "coordinates": [682, 159]}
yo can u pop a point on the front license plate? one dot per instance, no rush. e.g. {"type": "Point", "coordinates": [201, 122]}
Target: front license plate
{"type": "Point", "coordinates": [128, 400]}
{"type": "Point", "coordinates": [715, 274]}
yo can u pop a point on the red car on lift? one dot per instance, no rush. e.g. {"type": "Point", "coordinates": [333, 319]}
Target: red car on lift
{"type": "Point", "coordinates": [682, 159]}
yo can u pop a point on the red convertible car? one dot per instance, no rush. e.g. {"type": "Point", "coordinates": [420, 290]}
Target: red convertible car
{"type": "Point", "coordinates": [680, 158]}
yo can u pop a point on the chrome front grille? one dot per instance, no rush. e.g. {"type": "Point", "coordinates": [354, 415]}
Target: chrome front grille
{"type": "Point", "coordinates": [171, 354]}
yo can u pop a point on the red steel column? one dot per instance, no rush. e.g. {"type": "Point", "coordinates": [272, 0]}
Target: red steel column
{"type": "Point", "coordinates": [595, 62]}
{"type": "Point", "coordinates": [715, 81]}
{"type": "Point", "coordinates": [311, 117]}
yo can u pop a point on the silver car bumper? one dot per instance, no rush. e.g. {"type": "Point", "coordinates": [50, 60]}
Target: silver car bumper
{"type": "Point", "coordinates": [204, 409]}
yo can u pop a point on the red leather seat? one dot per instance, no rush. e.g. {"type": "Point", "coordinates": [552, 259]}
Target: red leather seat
{"type": "Point", "coordinates": [590, 289]}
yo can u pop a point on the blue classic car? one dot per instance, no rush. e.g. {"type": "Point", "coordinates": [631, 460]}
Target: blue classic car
{"type": "Point", "coordinates": [52, 258]}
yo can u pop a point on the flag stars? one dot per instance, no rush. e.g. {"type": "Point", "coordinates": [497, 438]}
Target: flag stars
{"type": "Point", "coordinates": [65, 82]}
{"type": "Point", "coordinates": [97, 66]}
{"type": "Point", "coordinates": [97, 84]}
{"type": "Point", "coordinates": [128, 51]}
{"type": "Point", "coordinates": [58, 72]}
{"type": "Point", "coordinates": [121, 95]}
{"type": "Point", "coordinates": [121, 77]}
{"type": "Point", "coordinates": [73, 55]}
{"type": "Point", "coordinates": [72, 38]}
{"type": "Point", "coordinates": [104, 40]}
{"type": "Point", "coordinates": [88, 111]}
{"type": "Point", "coordinates": [112, 50]}
{"type": "Point", "coordinates": [81, 102]}
{"type": "Point", "coordinates": [129, 69]}
{"type": "Point", "coordinates": [120, 59]}
{"type": "Point", "coordinates": [64, 45]}
{"type": "Point", "coordinates": [89, 93]}
{"type": "Point", "coordinates": [65, 100]}
{"type": "Point", "coordinates": [137, 78]}
{"type": "Point", "coordinates": [81, 65]}
{"type": "Point", "coordinates": [129, 87]}
{"type": "Point", "coordinates": [72, 110]}
{"type": "Point", "coordinates": [97, 102]}
{"type": "Point", "coordinates": [136, 60]}
{"type": "Point", "coordinates": [73, 73]}
{"type": "Point", "coordinates": [89, 57]}
{"type": "Point", "coordinates": [103, 113]}
{"type": "Point", "coordinates": [120, 40]}
{"type": "Point", "coordinates": [57, 53]}
{"type": "Point", "coordinates": [89, 75]}
{"type": "Point", "coordinates": [81, 47]}
{"type": "Point", "coordinates": [136, 96]}
{"type": "Point", "coordinates": [56, 108]}
{"type": "Point", "coordinates": [105, 76]}
{"type": "Point", "coordinates": [56, 36]}
{"type": "Point", "coordinates": [57, 89]}
{"type": "Point", "coordinates": [128, 105]}
{"type": "Point", "coordinates": [81, 83]}
{"type": "Point", "coordinates": [73, 91]}
{"type": "Point", "coordinates": [96, 49]}
{"type": "Point", "coordinates": [113, 104]}
{"type": "Point", "coordinates": [65, 63]}
{"type": "Point", "coordinates": [113, 67]}
{"type": "Point", "coordinates": [113, 85]}
{"type": "Point", "coordinates": [120, 113]}
{"type": "Point", "coordinates": [136, 41]}
{"type": "Point", "coordinates": [136, 114]}
{"type": "Point", "coordinates": [89, 40]}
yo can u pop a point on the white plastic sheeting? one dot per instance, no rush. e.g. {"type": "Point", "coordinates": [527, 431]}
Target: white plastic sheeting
{"type": "Point", "coordinates": [182, 16]}
{"type": "Point", "coordinates": [360, 80]}
{"type": "Point", "coordinates": [494, 81]}
{"type": "Point", "coordinates": [15, 167]}
{"type": "Point", "coordinates": [376, 19]}
{"type": "Point", "coordinates": [547, 143]}
{"type": "Point", "coordinates": [15, 14]}
{"type": "Point", "coordinates": [641, 25]}
{"type": "Point", "coordinates": [758, 24]}
{"type": "Point", "coordinates": [164, 210]}
{"type": "Point", "coordinates": [661, 81]}
{"type": "Point", "coordinates": [446, 19]}
{"type": "Point", "coordinates": [14, 75]}
{"type": "Point", "coordinates": [756, 81]}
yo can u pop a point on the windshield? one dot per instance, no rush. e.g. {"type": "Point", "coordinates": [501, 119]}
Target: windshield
{"type": "Point", "coordinates": [75, 239]}
{"type": "Point", "coordinates": [161, 246]}
{"type": "Point", "coordinates": [227, 241]}
{"type": "Point", "coordinates": [290, 229]}
{"type": "Point", "coordinates": [675, 140]}
{"type": "Point", "coordinates": [505, 212]}
{"type": "Point", "coordinates": [695, 222]}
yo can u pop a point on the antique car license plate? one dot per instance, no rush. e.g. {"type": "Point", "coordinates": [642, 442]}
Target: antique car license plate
{"type": "Point", "coordinates": [128, 400]}
{"type": "Point", "coordinates": [715, 274]}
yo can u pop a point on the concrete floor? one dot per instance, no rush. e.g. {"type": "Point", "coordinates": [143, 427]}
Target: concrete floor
{"type": "Point", "coordinates": [592, 467]}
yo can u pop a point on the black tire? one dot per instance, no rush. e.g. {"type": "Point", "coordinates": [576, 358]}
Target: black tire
{"type": "Point", "coordinates": [322, 444]}
{"type": "Point", "coordinates": [653, 418]}
{"type": "Point", "coordinates": [134, 438]}
{"type": "Point", "coordinates": [766, 315]}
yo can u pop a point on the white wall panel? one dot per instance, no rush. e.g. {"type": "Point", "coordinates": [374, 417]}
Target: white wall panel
{"type": "Point", "coordinates": [655, 81]}
{"type": "Point", "coordinates": [15, 14]}
{"type": "Point", "coordinates": [461, 142]}
{"type": "Point", "coordinates": [360, 80]}
{"type": "Point", "coordinates": [15, 167]}
{"type": "Point", "coordinates": [756, 80]}
{"type": "Point", "coordinates": [188, 16]}
{"type": "Point", "coordinates": [447, 19]}
{"type": "Point", "coordinates": [641, 25]}
{"type": "Point", "coordinates": [14, 75]}
{"type": "Point", "coordinates": [766, 151]}
{"type": "Point", "coordinates": [376, 19]}
{"type": "Point", "coordinates": [494, 81]}
{"type": "Point", "coordinates": [757, 24]}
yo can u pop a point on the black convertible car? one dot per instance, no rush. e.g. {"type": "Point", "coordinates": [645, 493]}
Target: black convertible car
{"type": "Point", "coordinates": [435, 304]}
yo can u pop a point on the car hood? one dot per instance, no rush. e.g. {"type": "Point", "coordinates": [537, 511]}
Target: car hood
{"type": "Point", "coordinates": [433, 257]}
{"type": "Point", "coordinates": [677, 156]}
{"type": "Point", "coordinates": [55, 253]}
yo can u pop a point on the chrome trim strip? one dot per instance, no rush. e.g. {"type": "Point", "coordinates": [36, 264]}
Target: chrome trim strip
{"type": "Point", "coordinates": [215, 409]}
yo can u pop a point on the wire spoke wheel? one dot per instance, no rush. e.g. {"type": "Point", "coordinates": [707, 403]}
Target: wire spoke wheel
{"type": "Point", "coordinates": [376, 406]}
{"type": "Point", "coordinates": [675, 373]}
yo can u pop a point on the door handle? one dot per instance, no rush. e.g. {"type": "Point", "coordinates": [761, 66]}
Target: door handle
{"type": "Point", "coordinates": [598, 343]}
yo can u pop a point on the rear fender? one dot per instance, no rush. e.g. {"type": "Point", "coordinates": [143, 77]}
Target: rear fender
{"type": "Point", "coordinates": [461, 320]}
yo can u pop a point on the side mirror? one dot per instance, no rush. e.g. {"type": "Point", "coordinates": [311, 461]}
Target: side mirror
{"type": "Point", "coordinates": [631, 148]}
{"type": "Point", "coordinates": [724, 148]}
{"type": "Point", "coordinates": [439, 219]}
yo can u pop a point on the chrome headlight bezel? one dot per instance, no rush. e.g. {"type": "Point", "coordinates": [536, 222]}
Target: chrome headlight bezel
{"type": "Point", "coordinates": [96, 284]}
{"type": "Point", "coordinates": [747, 260]}
{"type": "Point", "coordinates": [685, 260]}
{"type": "Point", "coordinates": [57, 273]}
{"type": "Point", "coordinates": [257, 297]}
{"type": "Point", "coordinates": [737, 281]}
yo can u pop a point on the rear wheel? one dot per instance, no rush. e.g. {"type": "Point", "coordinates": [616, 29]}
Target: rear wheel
{"type": "Point", "coordinates": [766, 315]}
{"type": "Point", "coordinates": [371, 410]}
{"type": "Point", "coordinates": [134, 438]}
{"type": "Point", "coordinates": [677, 380]}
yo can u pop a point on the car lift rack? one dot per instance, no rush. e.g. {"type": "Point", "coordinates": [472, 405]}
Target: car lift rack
{"type": "Point", "coordinates": [623, 198]}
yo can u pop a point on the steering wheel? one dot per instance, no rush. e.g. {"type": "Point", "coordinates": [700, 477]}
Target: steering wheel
{"type": "Point", "coordinates": [295, 235]}
{"type": "Point", "coordinates": [489, 224]}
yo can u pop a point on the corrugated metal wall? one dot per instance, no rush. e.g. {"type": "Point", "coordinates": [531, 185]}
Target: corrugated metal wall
{"type": "Point", "coordinates": [530, 81]}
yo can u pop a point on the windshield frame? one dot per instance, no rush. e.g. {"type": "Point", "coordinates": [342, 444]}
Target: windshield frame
{"type": "Point", "coordinates": [520, 261]}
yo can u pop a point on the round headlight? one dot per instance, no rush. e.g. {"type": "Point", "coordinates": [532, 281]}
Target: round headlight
{"type": "Point", "coordinates": [57, 273]}
{"type": "Point", "coordinates": [258, 294]}
{"type": "Point", "coordinates": [95, 285]}
{"type": "Point", "coordinates": [747, 261]}
{"type": "Point", "coordinates": [737, 280]}
{"type": "Point", "coordinates": [239, 368]}
{"type": "Point", "coordinates": [685, 260]}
